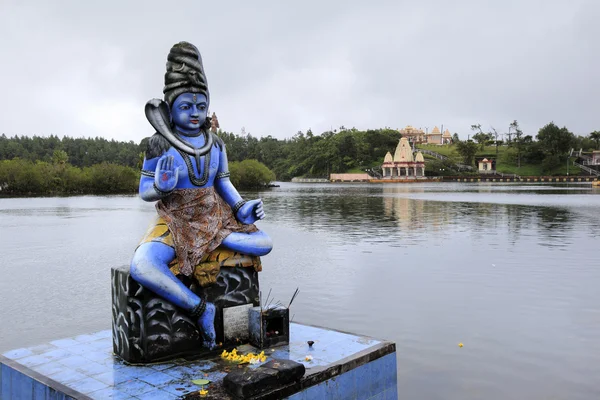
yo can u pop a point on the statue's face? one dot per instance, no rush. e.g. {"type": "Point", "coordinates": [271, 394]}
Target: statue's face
{"type": "Point", "coordinates": [189, 112]}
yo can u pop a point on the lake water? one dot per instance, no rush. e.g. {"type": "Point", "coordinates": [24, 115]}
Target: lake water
{"type": "Point", "coordinates": [511, 271]}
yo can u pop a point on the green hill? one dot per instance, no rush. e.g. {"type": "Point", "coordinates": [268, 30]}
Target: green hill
{"type": "Point", "coordinates": [505, 161]}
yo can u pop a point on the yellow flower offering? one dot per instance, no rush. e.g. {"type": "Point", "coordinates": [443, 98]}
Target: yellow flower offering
{"type": "Point", "coordinates": [249, 358]}
{"type": "Point", "coordinates": [203, 392]}
{"type": "Point", "coordinates": [460, 345]}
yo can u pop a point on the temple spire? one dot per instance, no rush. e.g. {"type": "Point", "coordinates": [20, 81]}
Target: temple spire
{"type": "Point", "coordinates": [214, 123]}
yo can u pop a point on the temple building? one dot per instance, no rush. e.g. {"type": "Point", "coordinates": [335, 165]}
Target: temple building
{"type": "Point", "coordinates": [595, 159]}
{"type": "Point", "coordinates": [414, 135]}
{"type": "Point", "coordinates": [446, 137]}
{"type": "Point", "coordinates": [435, 137]}
{"type": "Point", "coordinates": [214, 123]}
{"type": "Point", "coordinates": [418, 136]}
{"type": "Point", "coordinates": [403, 165]}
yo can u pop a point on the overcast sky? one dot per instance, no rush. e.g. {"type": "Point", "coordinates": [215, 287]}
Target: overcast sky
{"type": "Point", "coordinates": [87, 68]}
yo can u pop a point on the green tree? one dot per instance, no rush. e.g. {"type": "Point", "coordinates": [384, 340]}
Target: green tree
{"type": "Point", "coordinates": [518, 142]}
{"type": "Point", "coordinates": [81, 152]}
{"type": "Point", "coordinates": [60, 157]}
{"type": "Point", "coordinates": [19, 176]}
{"type": "Point", "coordinates": [595, 136]}
{"type": "Point", "coordinates": [108, 178]}
{"type": "Point", "coordinates": [250, 174]}
{"type": "Point", "coordinates": [550, 162]}
{"type": "Point", "coordinates": [481, 137]}
{"type": "Point", "coordinates": [555, 140]}
{"type": "Point", "coordinates": [467, 151]}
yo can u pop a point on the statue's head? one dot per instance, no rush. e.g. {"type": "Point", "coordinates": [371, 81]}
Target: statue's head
{"type": "Point", "coordinates": [186, 89]}
{"type": "Point", "coordinates": [189, 112]}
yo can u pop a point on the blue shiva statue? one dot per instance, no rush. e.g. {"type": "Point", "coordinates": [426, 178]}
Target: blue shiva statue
{"type": "Point", "coordinates": [185, 171]}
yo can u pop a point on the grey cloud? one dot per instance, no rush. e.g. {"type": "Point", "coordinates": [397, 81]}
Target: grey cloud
{"type": "Point", "coordinates": [87, 68]}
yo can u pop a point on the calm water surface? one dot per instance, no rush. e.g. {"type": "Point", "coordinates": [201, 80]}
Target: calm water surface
{"type": "Point", "coordinates": [511, 271]}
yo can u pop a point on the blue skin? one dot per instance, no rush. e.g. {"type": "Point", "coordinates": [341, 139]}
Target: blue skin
{"type": "Point", "coordinates": [150, 261]}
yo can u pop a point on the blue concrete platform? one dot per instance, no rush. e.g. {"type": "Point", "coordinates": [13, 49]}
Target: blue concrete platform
{"type": "Point", "coordinates": [343, 366]}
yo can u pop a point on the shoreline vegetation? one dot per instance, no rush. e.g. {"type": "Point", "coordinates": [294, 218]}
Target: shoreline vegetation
{"type": "Point", "coordinates": [70, 166]}
{"type": "Point", "coordinates": [25, 177]}
{"type": "Point", "coordinates": [40, 178]}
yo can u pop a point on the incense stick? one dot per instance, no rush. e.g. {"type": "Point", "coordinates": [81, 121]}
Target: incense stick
{"type": "Point", "coordinates": [294, 296]}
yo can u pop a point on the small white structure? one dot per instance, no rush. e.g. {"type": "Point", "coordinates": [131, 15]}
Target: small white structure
{"type": "Point", "coordinates": [486, 166]}
{"type": "Point", "coordinates": [349, 177]}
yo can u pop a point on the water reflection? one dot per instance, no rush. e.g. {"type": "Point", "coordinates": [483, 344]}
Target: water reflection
{"type": "Point", "coordinates": [510, 270]}
{"type": "Point", "coordinates": [410, 214]}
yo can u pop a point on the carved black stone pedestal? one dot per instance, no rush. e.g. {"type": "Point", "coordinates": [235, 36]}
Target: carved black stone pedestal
{"type": "Point", "coordinates": [147, 328]}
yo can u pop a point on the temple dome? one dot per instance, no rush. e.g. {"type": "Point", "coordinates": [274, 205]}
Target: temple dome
{"type": "Point", "coordinates": [419, 157]}
{"type": "Point", "coordinates": [388, 157]}
{"type": "Point", "coordinates": [435, 131]}
{"type": "Point", "coordinates": [447, 133]}
{"type": "Point", "coordinates": [403, 151]}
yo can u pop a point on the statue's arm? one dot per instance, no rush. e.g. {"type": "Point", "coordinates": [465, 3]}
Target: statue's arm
{"type": "Point", "coordinates": [146, 189]}
{"type": "Point", "coordinates": [224, 186]}
{"type": "Point", "coordinates": [247, 212]}
{"type": "Point", "coordinates": [153, 187]}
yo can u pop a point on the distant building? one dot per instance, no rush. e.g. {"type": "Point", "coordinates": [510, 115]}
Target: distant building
{"type": "Point", "coordinates": [403, 165]}
{"type": "Point", "coordinates": [414, 135]}
{"type": "Point", "coordinates": [349, 177]}
{"type": "Point", "coordinates": [487, 166]}
{"type": "Point", "coordinates": [446, 137]}
{"type": "Point", "coordinates": [435, 137]}
{"type": "Point", "coordinates": [214, 123]}
{"type": "Point", "coordinates": [418, 136]}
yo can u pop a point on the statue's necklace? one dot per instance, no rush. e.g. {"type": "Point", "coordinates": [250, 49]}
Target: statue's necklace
{"type": "Point", "coordinates": [186, 158]}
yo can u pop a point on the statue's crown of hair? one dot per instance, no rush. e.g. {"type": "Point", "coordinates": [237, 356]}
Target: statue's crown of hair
{"type": "Point", "coordinates": [185, 72]}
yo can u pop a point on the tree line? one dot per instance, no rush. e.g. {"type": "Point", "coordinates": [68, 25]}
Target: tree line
{"type": "Point", "coordinates": [82, 152]}
{"type": "Point", "coordinates": [305, 154]}
{"type": "Point", "coordinates": [26, 177]}
{"type": "Point", "coordinates": [97, 165]}
{"type": "Point", "coordinates": [310, 155]}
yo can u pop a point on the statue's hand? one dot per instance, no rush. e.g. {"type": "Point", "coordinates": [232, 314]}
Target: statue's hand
{"type": "Point", "coordinates": [206, 323]}
{"type": "Point", "coordinates": [166, 174]}
{"type": "Point", "coordinates": [250, 212]}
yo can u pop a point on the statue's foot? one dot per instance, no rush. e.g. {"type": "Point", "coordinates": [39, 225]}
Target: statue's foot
{"type": "Point", "coordinates": [209, 345]}
{"type": "Point", "coordinates": [206, 322]}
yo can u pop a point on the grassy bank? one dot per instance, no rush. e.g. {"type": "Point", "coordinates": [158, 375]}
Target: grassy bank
{"type": "Point", "coordinates": [503, 164]}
